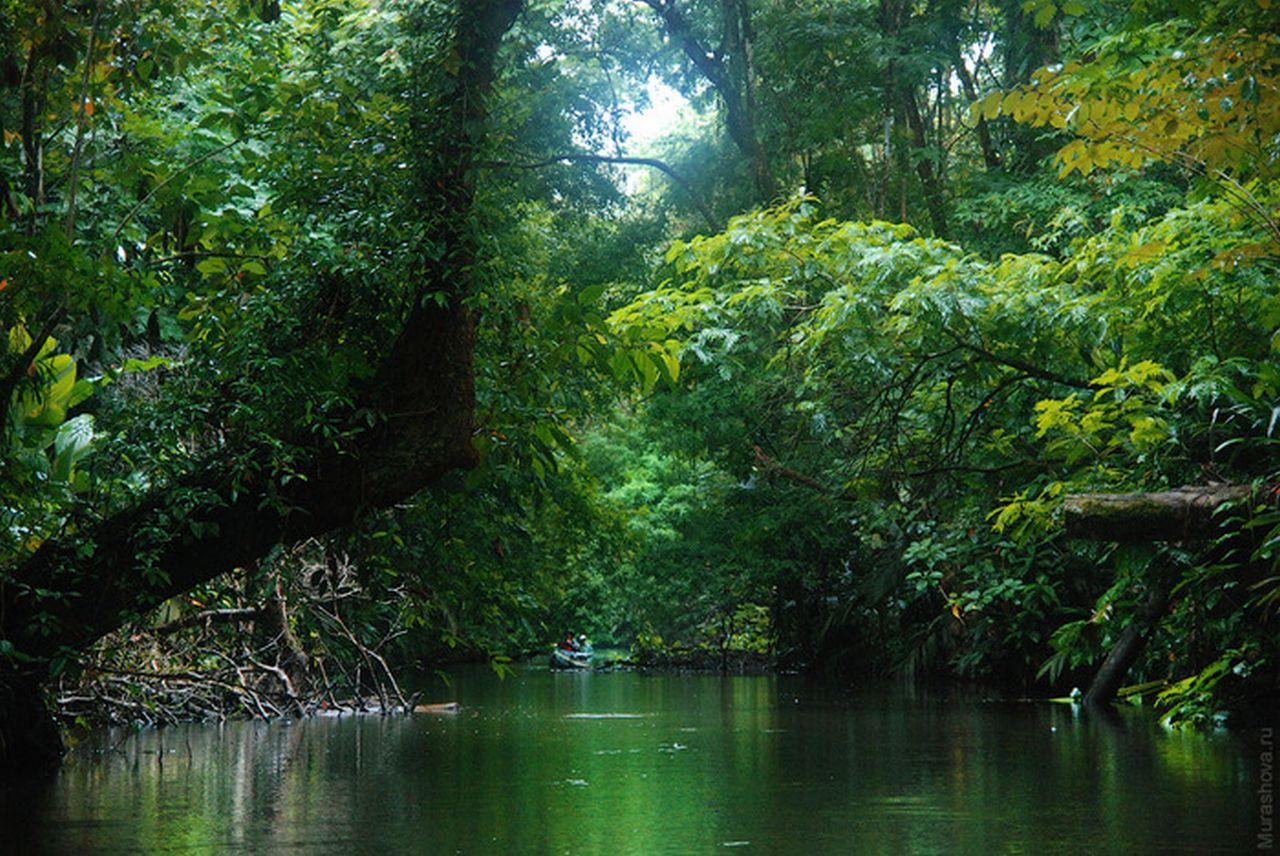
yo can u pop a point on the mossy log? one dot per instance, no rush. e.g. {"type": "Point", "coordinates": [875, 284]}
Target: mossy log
{"type": "Point", "coordinates": [1182, 514]}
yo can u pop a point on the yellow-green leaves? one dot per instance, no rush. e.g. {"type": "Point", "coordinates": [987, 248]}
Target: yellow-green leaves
{"type": "Point", "coordinates": [1057, 415]}
{"type": "Point", "coordinates": [1123, 415]}
{"type": "Point", "coordinates": [56, 390]}
{"type": "Point", "coordinates": [1028, 513]}
{"type": "Point", "coordinates": [1211, 101]}
{"type": "Point", "coordinates": [1145, 375]}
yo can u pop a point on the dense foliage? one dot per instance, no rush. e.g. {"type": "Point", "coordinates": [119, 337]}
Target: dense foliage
{"type": "Point", "coordinates": [808, 374]}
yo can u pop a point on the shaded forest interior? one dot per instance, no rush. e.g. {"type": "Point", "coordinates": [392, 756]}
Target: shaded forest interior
{"type": "Point", "coordinates": [348, 338]}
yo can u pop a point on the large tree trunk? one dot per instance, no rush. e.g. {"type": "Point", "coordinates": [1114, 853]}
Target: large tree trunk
{"type": "Point", "coordinates": [70, 593]}
{"type": "Point", "coordinates": [1183, 514]}
{"type": "Point", "coordinates": [739, 46]}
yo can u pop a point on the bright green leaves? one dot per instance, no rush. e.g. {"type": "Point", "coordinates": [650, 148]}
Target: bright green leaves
{"type": "Point", "coordinates": [71, 443]}
{"type": "Point", "coordinates": [211, 266]}
{"type": "Point", "coordinates": [44, 402]}
{"type": "Point", "coordinates": [644, 347]}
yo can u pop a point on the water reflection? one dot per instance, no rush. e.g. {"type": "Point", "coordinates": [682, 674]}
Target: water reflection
{"type": "Point", "coordinates": [624, 763]}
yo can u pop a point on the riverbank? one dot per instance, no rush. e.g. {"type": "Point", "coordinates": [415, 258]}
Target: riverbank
{"type": "Point", "coordinates": [696, 660]}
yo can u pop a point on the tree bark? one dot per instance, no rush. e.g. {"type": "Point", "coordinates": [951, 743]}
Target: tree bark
{"type": "Point", "coordinates": [990, 157]}
{"type": "Point", "coordinates": [925, 166]}
{"type": "Point", "coordinates": [67, 595]}
{"type": "Point", "coordinates": [1184, 514]}
{"type": "Point", "coordinates": [1133, 639]}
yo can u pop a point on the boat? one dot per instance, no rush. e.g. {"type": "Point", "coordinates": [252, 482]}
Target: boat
{"type": "Point", "coordinates": [562, 658]}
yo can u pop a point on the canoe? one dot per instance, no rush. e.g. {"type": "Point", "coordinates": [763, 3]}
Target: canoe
{"type": "Point", "coordinates": [562, 659]}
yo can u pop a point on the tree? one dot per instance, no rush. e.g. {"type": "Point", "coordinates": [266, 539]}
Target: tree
{"type": "Point", "coordinates": [732, 72]}
{"type": "Point", "coordinates": [410, 424]}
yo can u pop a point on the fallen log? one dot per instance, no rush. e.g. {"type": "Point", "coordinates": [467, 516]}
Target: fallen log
{"type": "Point", "coordinates": [207, 617]}
{"type": "Point", "coordinates": [1182, 514]}
{"type": "Point", "coordinates": [445, 707]}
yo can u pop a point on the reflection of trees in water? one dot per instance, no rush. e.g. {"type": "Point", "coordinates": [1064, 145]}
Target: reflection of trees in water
{"type": "Point", "coordinates": [700, 760]}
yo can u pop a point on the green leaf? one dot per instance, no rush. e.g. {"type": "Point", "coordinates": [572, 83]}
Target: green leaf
{"type": "Point", "coordinates": [71, 443]}
{"type": "Point", "coordinates": [209, 267]}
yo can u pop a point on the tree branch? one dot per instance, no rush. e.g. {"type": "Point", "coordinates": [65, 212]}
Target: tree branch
{"type": "Point", "coordinates": [1022, 365]}
{"type": "Point", "coordinates": [585, 157]}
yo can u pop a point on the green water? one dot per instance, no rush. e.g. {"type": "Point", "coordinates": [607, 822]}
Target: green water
{"type": "Point", "coordinates": [622, 763]}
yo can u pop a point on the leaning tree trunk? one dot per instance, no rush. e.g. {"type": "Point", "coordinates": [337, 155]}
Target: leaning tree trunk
{"type": "Point", "coordinates": [71, 592]}
{"type": "Point", "coordinates": [1183, 514]}
{"type": "Point", "coordinates": [732, 73]}
{"type": "Point", "coordinates": [1133, 639]}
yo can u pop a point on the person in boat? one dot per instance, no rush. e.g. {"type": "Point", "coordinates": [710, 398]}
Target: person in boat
{"type": "Point", "coordinates": [582, 643]}
{"type": "Point", "coordinates": [568, 643]}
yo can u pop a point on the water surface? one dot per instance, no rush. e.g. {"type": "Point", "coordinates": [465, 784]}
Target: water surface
{"type": "Point", "coordinates": [620, 763]}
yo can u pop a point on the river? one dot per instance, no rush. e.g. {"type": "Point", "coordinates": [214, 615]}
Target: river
{"type": "Point", "coordinates": [621, 763]}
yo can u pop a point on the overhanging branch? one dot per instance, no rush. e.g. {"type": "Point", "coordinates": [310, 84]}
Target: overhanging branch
{"type": "Point", "coordinates": [584, 157]}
